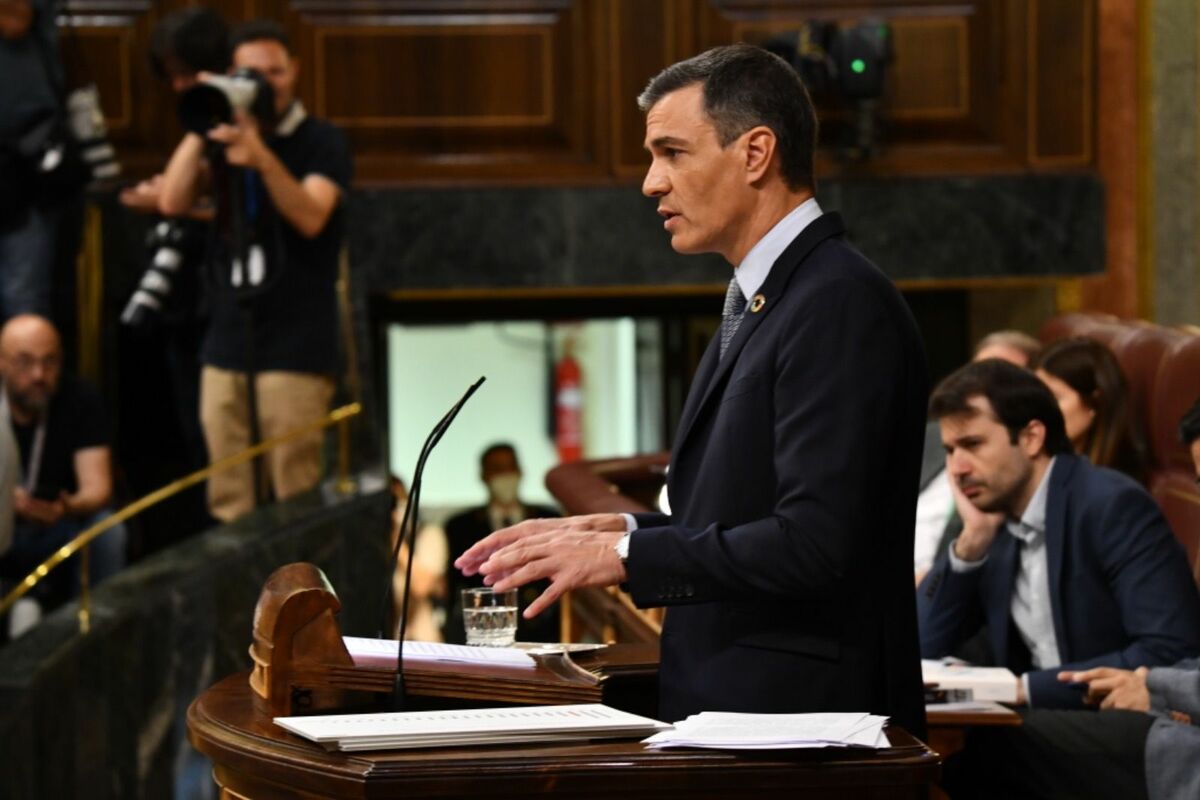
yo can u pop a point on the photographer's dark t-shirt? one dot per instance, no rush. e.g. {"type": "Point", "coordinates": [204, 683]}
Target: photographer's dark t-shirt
{"type": "Point", "coordinates": [295, 316]}
{"type": "Point", "coordinates": [75, 421]}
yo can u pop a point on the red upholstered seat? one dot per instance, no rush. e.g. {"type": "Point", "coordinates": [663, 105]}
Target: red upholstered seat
{"type": "Point", "coordinates": [1162, 368]}
{"type": "Point", "coordinates": [1075, 324]}
{"type": "Point", "coordinates": [1140, 348]}
{"type": "Point", "coordinates": [1179, 498]}
{"type": "Point", "coordinates": [1176, 388]}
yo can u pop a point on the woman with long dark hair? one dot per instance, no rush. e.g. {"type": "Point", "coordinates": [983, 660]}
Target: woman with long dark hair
{"type": "Point", "coordinates": [1086, 379]}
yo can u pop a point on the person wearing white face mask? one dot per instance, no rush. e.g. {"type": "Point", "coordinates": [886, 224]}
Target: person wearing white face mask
{"type": "Point", "coordinates": [500, 471]}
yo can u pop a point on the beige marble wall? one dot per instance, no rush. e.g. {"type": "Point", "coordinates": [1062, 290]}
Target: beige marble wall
{"type": "Point", "coordinates": [1174, 152]}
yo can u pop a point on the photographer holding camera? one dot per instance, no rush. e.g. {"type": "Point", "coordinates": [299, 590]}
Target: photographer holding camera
{"type": "Point", "coordinates": [280, 178]}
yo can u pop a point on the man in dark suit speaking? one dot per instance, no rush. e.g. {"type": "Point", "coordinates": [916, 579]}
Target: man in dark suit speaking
{"type": "Point", "coordinates": [787, 559]}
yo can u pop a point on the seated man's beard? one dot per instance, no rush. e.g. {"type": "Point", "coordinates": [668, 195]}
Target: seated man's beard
{"type": "Point", "coordinates": [31, 402]}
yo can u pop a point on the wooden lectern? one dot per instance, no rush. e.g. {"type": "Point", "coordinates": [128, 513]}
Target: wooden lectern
{"type": "Point", "coordinates": [301, 665]}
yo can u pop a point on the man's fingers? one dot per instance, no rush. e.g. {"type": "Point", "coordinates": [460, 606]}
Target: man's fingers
{"type": "Point", "coordinates": [470, 561]}
{"type": "Point", "coordinates": [1104, 685]}
{"type": "Point", "coordinates": [547, 598]}
{"type": "Point", "coordinates": [527, 571]}
{"type": "Point", "coordinates": [223, 134]}
{"type": "Point", "coordinates": [1089, 675]}
{"type": "Point", "coordinates": [483, 550]}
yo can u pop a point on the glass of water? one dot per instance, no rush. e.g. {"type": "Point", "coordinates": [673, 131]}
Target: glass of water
{"type": "Point", "coordinates": [490, 617]}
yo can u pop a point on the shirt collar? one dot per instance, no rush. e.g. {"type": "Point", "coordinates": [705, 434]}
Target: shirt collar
{"type": "Point", "coordinates": [291, 119]}
{"type": "Point", "coordinates": [1033, 522]}
{"type": "Point", "coordinates": [753, 271]}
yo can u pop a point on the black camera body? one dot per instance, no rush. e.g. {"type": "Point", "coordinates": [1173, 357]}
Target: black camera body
{"type": "Point", "coordinates": [217, 99]}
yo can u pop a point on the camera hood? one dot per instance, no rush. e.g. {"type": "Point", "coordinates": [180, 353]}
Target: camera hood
{"type": "Point", "coordinates": [214, 101]}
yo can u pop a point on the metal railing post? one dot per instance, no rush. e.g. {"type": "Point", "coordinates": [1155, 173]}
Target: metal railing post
{"type": "Point", "coordinates": [85, 593]}
{"type": "Point", "coordinates": [345, 484]}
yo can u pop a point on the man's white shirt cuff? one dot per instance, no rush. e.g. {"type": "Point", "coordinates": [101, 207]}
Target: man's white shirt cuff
{"type": "Point", "coordinates": [959, 565]}
{"type": "Point", "coordinates": [630, 523]}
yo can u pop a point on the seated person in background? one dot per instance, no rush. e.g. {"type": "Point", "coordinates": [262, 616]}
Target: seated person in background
{"type": "Point", "coordinates": [1086, 380]}
{"type": "Point", "coordinates": [426, 602]}
{"type": "Point", "coordinates": [62, 435]}
{"type": "Point", "coordinates": [501, 473]}
{"type": "Point", "coordinates": [1071, 566]}
{"type": "Point", "coordinates": [937, 522]}
{"type": "Point", "coordinates": [1145, 743]}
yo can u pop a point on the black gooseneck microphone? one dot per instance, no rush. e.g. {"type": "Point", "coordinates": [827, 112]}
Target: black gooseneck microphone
{"type": "Point", "coordinates": [409, 531]}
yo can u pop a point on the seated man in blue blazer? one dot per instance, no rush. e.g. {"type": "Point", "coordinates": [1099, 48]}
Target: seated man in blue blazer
{"type": "Point", "coordinates": [1070, 565]}
{"type": "Point", "coordinates": [1144, 744]}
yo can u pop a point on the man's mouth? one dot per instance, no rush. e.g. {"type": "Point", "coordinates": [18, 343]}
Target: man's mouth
{"type": "Point", "coordinates": [668, 216]}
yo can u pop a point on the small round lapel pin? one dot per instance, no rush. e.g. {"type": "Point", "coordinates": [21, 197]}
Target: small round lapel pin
{"type": "Point", "coordinates": [756, 305]}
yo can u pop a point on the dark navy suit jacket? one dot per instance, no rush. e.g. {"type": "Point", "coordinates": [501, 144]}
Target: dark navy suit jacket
{"type": "Point", "coordinates": [1121, 593]}
{"type": "Point", "coordinates": [787, 560]}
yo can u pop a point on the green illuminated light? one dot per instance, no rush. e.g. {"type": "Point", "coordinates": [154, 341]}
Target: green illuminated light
{"type": "Point", "coordinates": [858, 65]}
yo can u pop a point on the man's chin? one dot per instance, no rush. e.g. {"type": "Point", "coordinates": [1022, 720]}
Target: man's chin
{"type": "Point", "coordinates": [687, 247]}
{"type": "Point", "coordinates": [985, 503]}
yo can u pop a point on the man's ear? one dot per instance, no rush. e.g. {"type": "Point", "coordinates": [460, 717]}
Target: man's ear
{"type": "Point", "coordinates": [1032, 438]}
{"type": "Point", "coordinates": [759, 146]}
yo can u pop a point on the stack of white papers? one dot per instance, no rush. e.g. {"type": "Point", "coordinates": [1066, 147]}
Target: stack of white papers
{"type": "Point", "coordinates": [408, 729]}
{"type": "Point", "coordinates": [727, 731]}
{"type": "Point", "coordinates": [984, 683]}
{"type": "Point", "coordinates": [382, 653]}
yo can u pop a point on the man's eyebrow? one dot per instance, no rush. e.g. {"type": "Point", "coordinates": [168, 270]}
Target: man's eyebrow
{"type": "Point", "coordinates": [665, 141]}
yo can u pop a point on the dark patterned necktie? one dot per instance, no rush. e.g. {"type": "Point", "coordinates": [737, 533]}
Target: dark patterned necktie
{"type": "Point", "coordinates": [731, 316]}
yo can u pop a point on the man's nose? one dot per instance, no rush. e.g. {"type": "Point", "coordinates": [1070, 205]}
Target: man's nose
{"type": "Point", "coordinates": [655, 184]}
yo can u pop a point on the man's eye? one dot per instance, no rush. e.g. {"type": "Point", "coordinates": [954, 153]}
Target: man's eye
{"type": "Point", "coordinates": [670, 152]}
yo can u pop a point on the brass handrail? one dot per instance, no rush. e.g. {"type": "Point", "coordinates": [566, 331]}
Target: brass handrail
{"type": "Point", "coordinates": [338, 416]}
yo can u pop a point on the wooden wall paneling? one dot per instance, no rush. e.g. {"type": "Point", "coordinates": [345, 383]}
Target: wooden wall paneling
{"type": "Point", "coordinates": [1008, 46]}
{"type": "Point", "coordinates": [460, 90]}
{"type": "Point", "coordinates": [1061, 82]}
{"type": "Point", "coordinates": [644, 38]}
{"type": "Point", "coordinates": [1120, 157]}
{"type": "Point", "coordinates": [947, 88]}
{"type": "Point", "coordinates": [936, 86]}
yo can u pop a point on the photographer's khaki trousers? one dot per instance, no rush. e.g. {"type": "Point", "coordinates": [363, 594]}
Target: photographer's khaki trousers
{"type": "Point", "coordinates": [286, 401]}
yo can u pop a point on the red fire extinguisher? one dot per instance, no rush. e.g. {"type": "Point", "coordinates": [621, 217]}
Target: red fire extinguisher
{"type": "Point", "coordinates": [568, 406]}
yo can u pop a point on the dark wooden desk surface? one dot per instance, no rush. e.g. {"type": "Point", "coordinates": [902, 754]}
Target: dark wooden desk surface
{"type": "Point", "coordinates": [253, 758]}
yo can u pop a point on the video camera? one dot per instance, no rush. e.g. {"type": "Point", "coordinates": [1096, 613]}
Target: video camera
{"type": "Point", "coordinates": [216, 99]}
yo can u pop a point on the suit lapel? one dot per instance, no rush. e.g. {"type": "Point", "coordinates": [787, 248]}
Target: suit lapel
{"type": "Point", "coordinates": [1004, 553]}
{"type": "Point", "coordinates": [1056, 526]}
{"type": "Point", "coordinates": [819, 230]}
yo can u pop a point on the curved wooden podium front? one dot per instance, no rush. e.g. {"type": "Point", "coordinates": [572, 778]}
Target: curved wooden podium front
{"type": "Point", "coordinates": [254, 759]}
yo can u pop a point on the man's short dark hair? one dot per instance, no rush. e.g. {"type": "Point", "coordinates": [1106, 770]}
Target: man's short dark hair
{"type": "Point", "coordinates": [259, 30]}
{"type": "Point", "coordinates": [1016, 395]}
{"type": "Point", "coordinates": [195, 39]}
{"type": "Point", "coordinates": [744, 87]}
{"type": "Point", "coordinates": [497, 447]}
{"type": "Point", "coordinates": [1189, 426]}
